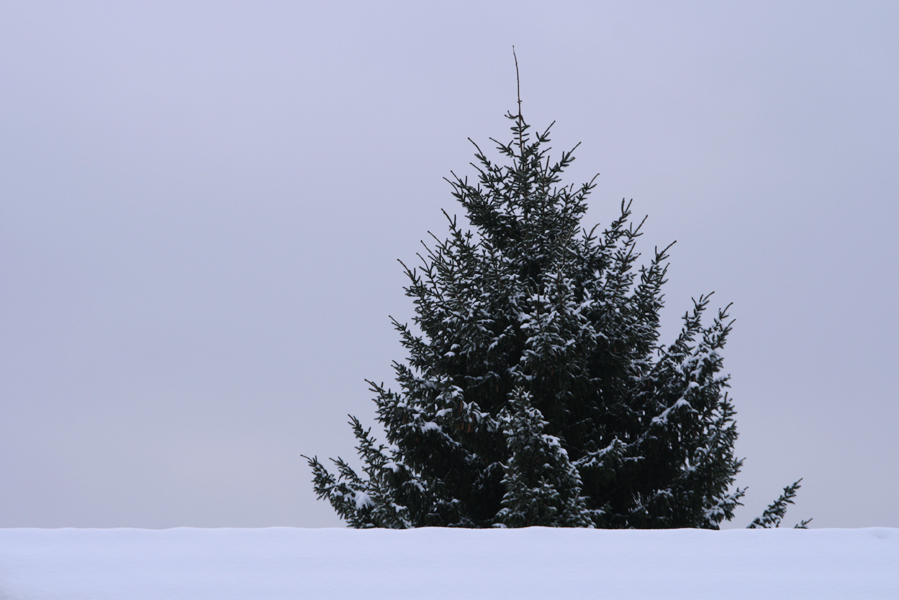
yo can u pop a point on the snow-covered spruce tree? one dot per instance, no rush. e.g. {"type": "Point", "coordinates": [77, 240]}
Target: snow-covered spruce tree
{"type": "Point", "coordinates": [536, 391]}
{"type": "Point", "coordinates": [542, 486]}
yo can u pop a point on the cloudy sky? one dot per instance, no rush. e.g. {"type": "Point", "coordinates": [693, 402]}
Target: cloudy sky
{"type": "Point", "coordinates": [202, 204]}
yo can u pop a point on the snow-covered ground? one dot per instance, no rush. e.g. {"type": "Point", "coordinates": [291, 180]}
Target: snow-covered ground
{"type": "Point", "coordinates": [269, 564]}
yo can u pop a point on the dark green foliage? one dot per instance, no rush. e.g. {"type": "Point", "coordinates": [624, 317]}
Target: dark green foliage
{"type": "Point", "coordinates": [535, 390]}
{"type": "Point", "coordinates": [542, 486]}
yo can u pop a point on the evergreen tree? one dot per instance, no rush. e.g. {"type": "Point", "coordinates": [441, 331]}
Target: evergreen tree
{"type": "Point", "coordinates": [536, 391]}
{"type": "Point", "coordinates": [542, 486]}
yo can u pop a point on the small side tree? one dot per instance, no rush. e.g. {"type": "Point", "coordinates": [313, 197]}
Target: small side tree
{"type": "Point", "coordinates": [536, 391]}
{"type": "Point", "coordinates": [775, 512]}
{"type": "Point", "coordinates": [542, 486]}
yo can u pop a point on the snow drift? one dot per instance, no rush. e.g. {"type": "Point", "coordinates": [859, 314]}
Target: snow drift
{"type": "Point", "coordinates": [275, 563]}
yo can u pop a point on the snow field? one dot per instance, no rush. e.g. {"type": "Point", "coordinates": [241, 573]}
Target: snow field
{"type": "Point", "coordinates": [336, 564]}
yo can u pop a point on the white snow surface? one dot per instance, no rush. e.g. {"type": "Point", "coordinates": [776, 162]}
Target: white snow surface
{"type": "Point", "coordinates": [282, 562]}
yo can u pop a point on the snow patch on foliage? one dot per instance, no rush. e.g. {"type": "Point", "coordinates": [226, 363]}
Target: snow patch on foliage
{"type": "Point", "coordinates": [362, 500]}
{"type": "Point", "coordinates": [663, 418]}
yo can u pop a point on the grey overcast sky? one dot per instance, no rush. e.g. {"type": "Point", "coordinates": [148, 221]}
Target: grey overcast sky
{"type": "Point", "coordinates": [202, 204]}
